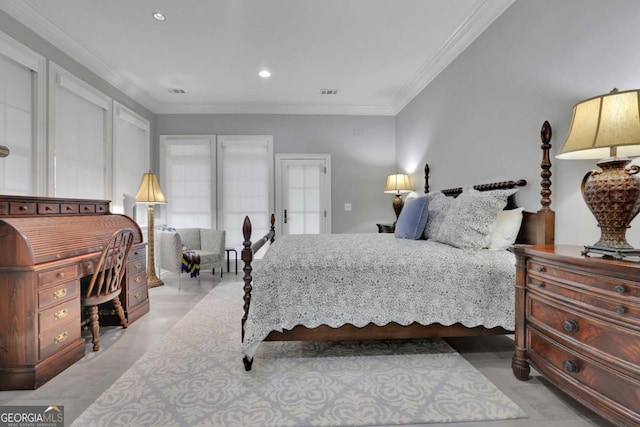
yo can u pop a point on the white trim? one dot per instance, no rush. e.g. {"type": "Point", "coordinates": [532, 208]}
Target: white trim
{"type": "Point", "coordinates": [279, 157]}
{"type": "Point", "coordinates": [16, 51]}
{"type": "Point", "coordinates": [275, 108]}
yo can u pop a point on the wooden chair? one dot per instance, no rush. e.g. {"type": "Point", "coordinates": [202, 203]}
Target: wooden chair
{"type": "Point", "coordinates": [106, 282]}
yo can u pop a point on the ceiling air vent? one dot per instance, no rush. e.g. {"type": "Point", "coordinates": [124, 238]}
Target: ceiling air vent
{"type": "Point", "coordinates": [328, 91]}
{"type": "Point", "coordinates": [176, 91]}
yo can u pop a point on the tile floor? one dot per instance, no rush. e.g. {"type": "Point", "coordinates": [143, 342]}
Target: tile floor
{"type": "Point", "coordinates": [76, 387]}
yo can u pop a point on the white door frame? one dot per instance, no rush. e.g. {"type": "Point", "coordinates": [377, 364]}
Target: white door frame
{"type": "Point", "coordinates": [279, 198]}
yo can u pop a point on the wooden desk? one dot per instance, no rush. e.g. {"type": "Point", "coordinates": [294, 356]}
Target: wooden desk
{"type": "Point", "coordinates": [46, 246]}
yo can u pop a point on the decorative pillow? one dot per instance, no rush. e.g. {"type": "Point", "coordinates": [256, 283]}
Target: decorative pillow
{"type": "Point", "coordinates": [470, 217]}
{"type": "Point", "coordinates": [412, 219]}
{"type": "Point", "coordinates": [504, 230]}
{"type": "Point", "coordinates": [439, 204]}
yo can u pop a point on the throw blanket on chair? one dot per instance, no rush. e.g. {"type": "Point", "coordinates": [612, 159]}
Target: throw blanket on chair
{"type": "Point", "coordinates": [191, 263]}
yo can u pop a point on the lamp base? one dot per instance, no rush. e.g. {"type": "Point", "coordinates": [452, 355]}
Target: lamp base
{"type": "Point", "coordinates": [615, 253]}
{"type": "Point", "coordinates": [152, 282]}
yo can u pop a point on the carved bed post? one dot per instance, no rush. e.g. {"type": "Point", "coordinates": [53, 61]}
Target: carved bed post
{"type": "Point", "coordinates": [426, 178]}
{"type": "Point", "coordinates": [247, 257]}
{"type": "Point", "coordinates": [546, 217]}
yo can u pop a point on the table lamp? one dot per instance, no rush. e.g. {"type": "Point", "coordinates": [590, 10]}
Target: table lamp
{"type": "Point", "coordinates": [398, 183]}
{"type": "Point", "coordinates": [607, 127]}
{"type": "Point", "coordinates": [151, 194]}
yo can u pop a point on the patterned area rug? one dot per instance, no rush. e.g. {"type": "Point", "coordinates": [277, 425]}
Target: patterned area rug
{"type": "Point", "coordinates": [196, 377]}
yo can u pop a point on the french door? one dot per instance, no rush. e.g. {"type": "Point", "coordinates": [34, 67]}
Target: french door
{"type": "Point", "coordinates": [303, 183]}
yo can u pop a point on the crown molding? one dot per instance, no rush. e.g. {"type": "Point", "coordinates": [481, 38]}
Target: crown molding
{"type": "Point", "coordinates": [474, 25]}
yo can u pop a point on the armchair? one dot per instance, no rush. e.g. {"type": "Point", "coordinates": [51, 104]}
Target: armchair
{"type": "Point", "coordinates": [208, 244]}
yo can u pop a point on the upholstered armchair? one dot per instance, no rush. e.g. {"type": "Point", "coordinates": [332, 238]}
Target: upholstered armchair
{"type": "Point", "coordinates": [206, 243]}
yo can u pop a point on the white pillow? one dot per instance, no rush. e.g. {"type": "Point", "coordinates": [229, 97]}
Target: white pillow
{"type": "Point", "coordinates": [504, 230]}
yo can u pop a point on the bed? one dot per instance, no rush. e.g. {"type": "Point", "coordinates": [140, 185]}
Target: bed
{"type": "Point", "coordinates": [378, 286]}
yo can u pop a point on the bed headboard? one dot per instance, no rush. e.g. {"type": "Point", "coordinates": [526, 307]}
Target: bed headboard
{"type": "Point", "coordinates": [538, 228]}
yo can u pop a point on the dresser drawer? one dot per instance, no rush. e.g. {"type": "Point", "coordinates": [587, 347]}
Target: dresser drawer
{"type": "Point", "coordinates": [594, 282]}
{"type": "Point", "coordinates": [65, 273]}
{"type": "Point", "coordinates": [59, 293]}
{"type": "Point", "coordinates": [59, 314]}
{"type": "Point", "coordinates": [625, 309]}
{"type": "Point", "coordinates": [54, 339]}
{"type": "Point", "coordinates": [601, 338]}
{"type": "Point", "coordinates": [609, 385]}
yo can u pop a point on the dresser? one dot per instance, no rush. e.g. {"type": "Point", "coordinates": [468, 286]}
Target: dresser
{"type": "Point", "coordinates": [46, 246]}
{"type": "Point", "coordinates": [578, 325]}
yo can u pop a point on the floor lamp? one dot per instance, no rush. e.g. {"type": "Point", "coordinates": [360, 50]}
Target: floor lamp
{"type": "Point", "coordinates": [151, 194]}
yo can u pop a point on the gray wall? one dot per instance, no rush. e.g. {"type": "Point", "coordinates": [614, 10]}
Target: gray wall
{"type": "Point", "coordinates": [362, 152]}
{"type": "Point", "coordinates": [480, 120]}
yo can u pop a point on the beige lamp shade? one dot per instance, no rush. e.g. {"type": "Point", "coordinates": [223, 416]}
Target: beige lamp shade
{"type": "Point", "coordinates": [150, 191]}
{"type": "Point", "coordinates": [604, 126]}
{"type": "Point", "coordinates": [398, 183]}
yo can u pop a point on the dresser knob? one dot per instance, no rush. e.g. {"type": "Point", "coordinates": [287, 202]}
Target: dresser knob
{"type": "Point", "coordinates": [570, 366]}
{"type": "Point", "coordinates": [540, 284]}
{"type": "Point", "coordinates": [620, 309]}
{"type": "Point", "coordinates": [570, 326]}
{"type": "Point", "coordinates": [540, 269]}
{"type": "Point", "coordinates": [620, 289]}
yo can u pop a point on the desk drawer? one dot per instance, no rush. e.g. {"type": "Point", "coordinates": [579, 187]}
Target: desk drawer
{"type": "Point", "coordinates": [18, 208]}
{"type": "Point", "coordinates": [54, 339]}
{"type": "Point", "coordinates": [87, 209]}
{"type": "Point", "coordinates": [599, 337]}
{"type": "Point", "coordinates": [64, 273]}
{"type": "Point", "coordinates": [59, 293]}
{"type": "Point", "coordinates": [59, 314]}
{"type": "Point", "coordinates": [69, 208]}
{"type": "Point", "coordinates": [48, 208]}
{"type": "Point", "coordinates": [606, 384]}
{"type": "Point", "coordinates": [137, 291]}
{"type": "Point", "coordinates": [136, 266]}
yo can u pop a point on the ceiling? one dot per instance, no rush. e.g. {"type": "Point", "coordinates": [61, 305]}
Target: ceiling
{"type": "Point", "coordinates": [377, 54]}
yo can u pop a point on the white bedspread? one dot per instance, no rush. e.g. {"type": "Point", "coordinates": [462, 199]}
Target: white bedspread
{"type": "Point", "coordinates": [336, 279]}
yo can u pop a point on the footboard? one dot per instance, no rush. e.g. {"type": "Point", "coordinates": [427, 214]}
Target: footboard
{"type": "Point", "coordinates": [248, 252]}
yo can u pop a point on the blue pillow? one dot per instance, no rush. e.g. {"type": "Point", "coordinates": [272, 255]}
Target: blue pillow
{"type": "Point", "coordinates": [412, 219]}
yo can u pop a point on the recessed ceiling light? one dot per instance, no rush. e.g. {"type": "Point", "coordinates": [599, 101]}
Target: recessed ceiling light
{"type": "Point", "coordinates": [264, 74]}
{"type": "Point", "coordinates": [159, 16]}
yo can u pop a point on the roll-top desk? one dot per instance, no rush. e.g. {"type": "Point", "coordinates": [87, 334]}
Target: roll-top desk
{"type": "Point", "coordinates": [46, 246]}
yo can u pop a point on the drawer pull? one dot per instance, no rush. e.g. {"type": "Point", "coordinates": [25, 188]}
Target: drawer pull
{"type": "Point", "coordinates": [138, 279]}
{"type": "Point", "coordinates": [61, 314]}
{"type": "Point", "coordinates": [60, 293]}
{"type": "Point", "coordinates": [570, 366]}
{"type": "Point", "coordinates": [137, 265]}
{"type": "Point", "coordinates": [540, 284]}
{"type": "Point", "coordinates": [138, 295]}
{"type": "Point", "coordinates": [540, 269]}
{"type": "Point", "coordinates": [63, 336]}
{"type": "Point", "coordinates": [23, 208]}
{"type": "Point", "coordinates": [570, 326]}
{"type": "Point", "coordinates": [61, 275]}
{"type": "Point", "coordinates": [620, 309]}
{"type": "Point", "coordinates": [620, 289]}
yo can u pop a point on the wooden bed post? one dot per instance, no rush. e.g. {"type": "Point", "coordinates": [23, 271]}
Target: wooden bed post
{"type": "Point", "coordinates": [247, 257]}
{"type": "Point", "coordinates": [545, 228]}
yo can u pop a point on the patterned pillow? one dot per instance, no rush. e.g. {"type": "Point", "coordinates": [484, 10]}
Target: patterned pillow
{"type": "Point", "coordinates": [436, 212]}
{"type": "Point", "coordinates": [412, 219]}
{"type": "Point", "coordinates": [470, 218]}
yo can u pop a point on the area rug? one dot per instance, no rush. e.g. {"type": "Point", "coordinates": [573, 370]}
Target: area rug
{"type": "Point", "coordinates": [195, 377]}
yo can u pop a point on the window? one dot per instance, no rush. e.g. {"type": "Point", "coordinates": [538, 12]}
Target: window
{"type": "Point", "coordinates": [80, 133]}
{"type": "Point", "coordinates": [245, 185]}
{"type": "Point", "coordinates": [22, 120]}
{"type": "Point", "coordinates": [186, 174]}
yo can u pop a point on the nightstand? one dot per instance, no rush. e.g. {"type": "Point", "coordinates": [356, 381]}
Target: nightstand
{"type": "Point", "coordinates": [578, 325]}
{"type": "Point", "coordinates": [386, 228]}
